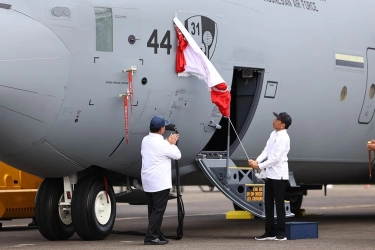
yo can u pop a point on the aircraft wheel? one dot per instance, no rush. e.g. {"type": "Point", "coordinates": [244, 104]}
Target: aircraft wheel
{"type": "Point", "coordinates": [53, 222]}
{"type": "Point", "coordinates": [93, 216]}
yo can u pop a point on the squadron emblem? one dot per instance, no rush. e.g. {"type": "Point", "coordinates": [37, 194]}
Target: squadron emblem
{"type": "Point", "coordinates": [204, 31]}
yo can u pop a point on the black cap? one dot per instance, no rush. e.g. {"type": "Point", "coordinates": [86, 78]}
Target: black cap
{"type": "Point", "coordinates": [158, 122]}
{"type": "Point", "coordinates": [285, 118]}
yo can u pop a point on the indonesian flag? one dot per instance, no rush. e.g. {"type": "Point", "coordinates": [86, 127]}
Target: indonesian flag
{"type": "Point", "coordinates": [190, 60]}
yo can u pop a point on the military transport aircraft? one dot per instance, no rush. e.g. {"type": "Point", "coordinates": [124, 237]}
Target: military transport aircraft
{"type": "Point", "coordinates": [65, 67]}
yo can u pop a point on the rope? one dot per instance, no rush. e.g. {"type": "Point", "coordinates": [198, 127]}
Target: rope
{"type": "Point", "coordinates": [369, 163]}
{"type": "Point", "coordinates": [180, 206]}
{"type": "Point", "coordinates": [238, 138]}
{"type": "Point", "coordinates": [180, 203]}
{"type": "Point", "coordinates": [256, 171]}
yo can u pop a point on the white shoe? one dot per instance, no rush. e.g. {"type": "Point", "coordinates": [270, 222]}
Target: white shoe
{"type": "Point", "coordinates": [264, 237]}
{"type": "Point", "coordinates": [280, 238]}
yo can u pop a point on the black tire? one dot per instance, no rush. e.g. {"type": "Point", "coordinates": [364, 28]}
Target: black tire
{"type": "Point", "coordinates": [84, 216]}
{"type": "Point", "coordinates": [47, 214]}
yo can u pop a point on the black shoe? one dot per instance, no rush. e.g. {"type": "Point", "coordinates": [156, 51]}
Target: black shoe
{"type": "Point", "coordinates": [155, 242]}
{"type": "Point", "coordinates": [32, 223]}
{"type": "Point", "coordinates": [265, 237]}
{"type": "Point", "coordinates": [162, 238]}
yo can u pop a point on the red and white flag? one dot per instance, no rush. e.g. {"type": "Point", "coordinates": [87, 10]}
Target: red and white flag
{"type": "Point", "coordinates": [190, 60]}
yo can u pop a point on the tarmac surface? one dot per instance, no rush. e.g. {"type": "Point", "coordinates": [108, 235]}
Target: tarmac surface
{"type": "Point", "coordinates": [346, 220]}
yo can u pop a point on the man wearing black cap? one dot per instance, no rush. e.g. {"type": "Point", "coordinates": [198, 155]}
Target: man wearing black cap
{"type": "Point", "coordinates": [157, 176]}
{"type": "Point", "coordinates": [277, 173]}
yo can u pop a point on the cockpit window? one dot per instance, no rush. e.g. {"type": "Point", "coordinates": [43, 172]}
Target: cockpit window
{"type": "Point", "coordinates": [104, 29]}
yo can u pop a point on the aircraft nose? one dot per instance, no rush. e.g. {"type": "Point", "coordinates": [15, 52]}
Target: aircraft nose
{"type": "Point", "coordinates": [34, 72]}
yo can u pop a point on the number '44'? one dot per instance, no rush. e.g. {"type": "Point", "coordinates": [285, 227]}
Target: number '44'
{"type": "Point", "coordinates": [165, 42]}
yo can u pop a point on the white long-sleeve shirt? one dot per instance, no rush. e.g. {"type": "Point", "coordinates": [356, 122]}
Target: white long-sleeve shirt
{"type": "Point", "coordinates": [156, 171]}
{"type": "Point", "coordinates": [276, 152]}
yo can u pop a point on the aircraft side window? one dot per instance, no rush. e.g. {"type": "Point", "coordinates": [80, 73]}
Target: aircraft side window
{"type": "Point", "coordinates": [104, 29]}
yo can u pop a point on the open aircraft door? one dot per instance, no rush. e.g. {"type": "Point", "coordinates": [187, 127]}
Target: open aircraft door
{"type": "Point", "coordinates": [237, 183]}
{"type": "Point", "coordinates": [368, 107]}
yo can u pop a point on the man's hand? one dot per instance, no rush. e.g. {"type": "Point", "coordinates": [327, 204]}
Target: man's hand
{"type": "Point", "coordinates": [173, 138]}
{"type": "Point", "coordinates": [371, 145]}
{"type": "Point", "coordinates": [253, 164]}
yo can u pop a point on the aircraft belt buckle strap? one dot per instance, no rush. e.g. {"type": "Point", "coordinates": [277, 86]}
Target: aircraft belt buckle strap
{"type": "Point", "coordinates": [129, 93]}
{"type": "Point", "coordinates": [126, 116]}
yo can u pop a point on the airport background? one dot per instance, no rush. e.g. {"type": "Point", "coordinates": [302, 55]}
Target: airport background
{"type": "Point", "coordinates": [345, 217]}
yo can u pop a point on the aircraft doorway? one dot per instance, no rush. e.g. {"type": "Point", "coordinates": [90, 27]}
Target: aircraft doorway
{"type": "Point", "coordinates": [368, 107]}
{"type": "Point", "coordinates": [245, 92]}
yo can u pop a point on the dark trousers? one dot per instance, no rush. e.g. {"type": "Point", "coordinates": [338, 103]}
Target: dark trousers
{"type": "Point", "coordinates": [275, 190]}
{"type": "Point", "coordinates": [157, 203]}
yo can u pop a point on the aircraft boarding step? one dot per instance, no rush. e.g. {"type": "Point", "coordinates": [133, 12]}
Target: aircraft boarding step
{"type": "Point", "coordinates": [239, 184]}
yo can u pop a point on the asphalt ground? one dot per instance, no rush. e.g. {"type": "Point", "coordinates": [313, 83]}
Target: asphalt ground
{"type": "Point", "coordinates": [345, 217]}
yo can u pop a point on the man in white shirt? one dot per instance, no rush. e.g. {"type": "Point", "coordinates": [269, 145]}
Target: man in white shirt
{"type": "Point", "coordinates": [156, 175]}
{"type": "Point", "coordinates": [275, 155]}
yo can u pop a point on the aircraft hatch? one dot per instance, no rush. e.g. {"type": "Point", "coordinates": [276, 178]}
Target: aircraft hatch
{"type": "Point", "coordinates": [239, 184]}
{"type": "Point", "coordinates": [245, 92]}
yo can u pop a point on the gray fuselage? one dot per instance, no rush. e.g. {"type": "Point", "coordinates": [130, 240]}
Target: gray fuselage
{"type": "Point", "coordinates": [61, 73]}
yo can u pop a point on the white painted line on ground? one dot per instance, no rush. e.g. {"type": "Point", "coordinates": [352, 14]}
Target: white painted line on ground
{"type": "Point", "coordinates": [169, 216]}
{"type": "Point", "coordinates": [340, 207]}
{"type": "Point", "coordinates": [23, 245]}
{"type": "Point", "coordinates": [15, 226]}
